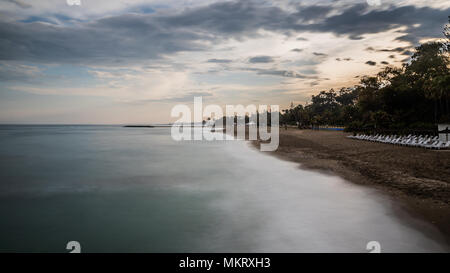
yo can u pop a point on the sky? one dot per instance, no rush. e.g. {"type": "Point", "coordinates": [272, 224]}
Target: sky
{"type": "Point", "coordinates": [122, 62]}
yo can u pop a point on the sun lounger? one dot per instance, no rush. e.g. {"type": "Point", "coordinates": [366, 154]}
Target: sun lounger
{"type": "Point", "coordinates": [429, 142]}
{"type": "Point", "coordinates": [433, 145]}
{"type": "Point", "coordinates": [446, 145]}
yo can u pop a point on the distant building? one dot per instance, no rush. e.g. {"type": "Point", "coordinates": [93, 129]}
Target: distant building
{"type": "Point", "coordinates": [444, 132]}
{"type": "Point", "coordinates": [328, 128]}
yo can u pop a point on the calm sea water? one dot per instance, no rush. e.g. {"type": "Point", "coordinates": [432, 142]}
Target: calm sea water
{"type": "Point", "coordinates": [117, 189]}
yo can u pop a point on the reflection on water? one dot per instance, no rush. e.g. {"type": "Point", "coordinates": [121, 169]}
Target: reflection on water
{"type": "Point", "coordinates": [119, 189]}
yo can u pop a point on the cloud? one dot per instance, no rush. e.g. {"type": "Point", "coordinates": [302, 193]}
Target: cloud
{"type": "Point", "coordinates": [124, 85]}
{"type": "Point", "coordinates": [314, 12]}
{"type": "Point", "coordinates": [189, 97]}
{"type": "Point", "coordinates": [403, 50]}
{"type": "Point", "coordinates": [407, 53]}
{"type": "Point", "coordinates": [357, 20]}
{"type": "Point", "coordinates": [371, 63]}
{"type": "Point", "coordinates": [117, 40]}
{"type": "Point", "coordinates": [18, 72]}
{"type": "Point", "coordinates": [297, 50]}
{"type": "Point", "coordinates": [355, 37]}
{"type": "Point", "coordinates": [405, 60]}
{"type": "Point", "coordinates": [319, 54]}
{"type": "Point", "coordinates": [261, 59]}
{"type": "Point", "coordinates": [20, 3]}
{"type": "Point", "coordinates": [219, 61]}
{"type": "Point", "coordinates": [280, 73]}
{"type": "Point", "coordinates": [136, 37]}
{"type": "Point", "coordinates": [397, 49]}
{"type": "Point", "coordinates": [344, 59]}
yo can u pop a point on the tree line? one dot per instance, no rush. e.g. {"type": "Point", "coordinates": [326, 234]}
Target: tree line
{"type": "Point", "coordinates": [412, 97]}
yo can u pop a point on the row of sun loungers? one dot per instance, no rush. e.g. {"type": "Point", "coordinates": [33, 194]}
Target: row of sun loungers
{"type": "Point", "coordinates": [428, 142]}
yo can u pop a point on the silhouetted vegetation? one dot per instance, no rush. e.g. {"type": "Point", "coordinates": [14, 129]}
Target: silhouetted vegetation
{"type": "Point", "coordinates": [254, 117]}
{"type": "Point", "coordinates": [413, 97]}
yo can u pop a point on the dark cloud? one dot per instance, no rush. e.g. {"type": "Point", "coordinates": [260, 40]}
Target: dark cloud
{"type": "Point", "coordinates": [233, 18]}
{"type": "Point", "coordinates": [297, 50]}
{"type": "Point", "coordinates": [319, 54]}
{"type": "Point", "coordinates": [355, 37]}
{"type": "Point", "coordinates": [261, 59]}
{"type": "Point", "coordinates": [397, 49]}
{"type": "Point", "coordinates": [344, 59]}
{"type": "Point", "coordinates": [403, 50]}
{"type": "Point", "coordinates": [280, 73]}
{"type": "Point", "coordinates": [113, 40]}
{"type": "Point", "coordinates": [405, 60]}
{"type": "Point", "coordinates": [136, 37]}
{"type": "Point", "coordinates": [372, 63]}
{"type": "Point", "coordinates": [312, 12]}
{"type": "Point", "coordinates": [356, 21]}
{"type": "Point", "coordinates": [309, 71]}
{"type": "Point", "coordinates": [219, 61]}
{"type": "Point", "coordinates": [407, 53]}
{"type": "Point", "coordinates": [301, 39]}
{"type": "Point", "coordinates": [20, 3]}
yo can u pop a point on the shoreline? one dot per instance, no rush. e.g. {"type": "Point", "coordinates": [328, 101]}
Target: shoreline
{"type": "Point", "coordinates": [417, 178]}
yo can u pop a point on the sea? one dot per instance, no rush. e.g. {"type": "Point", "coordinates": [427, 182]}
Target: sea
{"type": "Point", "coordinates": [117, 189]}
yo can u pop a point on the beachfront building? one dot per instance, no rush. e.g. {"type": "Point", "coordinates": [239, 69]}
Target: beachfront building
{"type": "Point", "coordinates": [444, 132]}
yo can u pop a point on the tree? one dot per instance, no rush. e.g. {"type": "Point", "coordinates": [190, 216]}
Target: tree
{"type": "Point", "coordinates": [415, 96]}
{"type": "Point", "coordinates": [429, 69]}
{"type": "Point", "coordinates": [447, 35]}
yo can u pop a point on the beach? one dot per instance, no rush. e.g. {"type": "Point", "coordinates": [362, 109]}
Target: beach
{"type": "Point", "coordinates": [418, 177]}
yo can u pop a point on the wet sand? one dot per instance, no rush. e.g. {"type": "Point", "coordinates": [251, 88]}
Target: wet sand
{"type": "Point", "coordinates": [418, 178]}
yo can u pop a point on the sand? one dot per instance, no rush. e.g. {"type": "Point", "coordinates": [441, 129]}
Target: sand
{"type": "Point", "coordinates": [417, 177]}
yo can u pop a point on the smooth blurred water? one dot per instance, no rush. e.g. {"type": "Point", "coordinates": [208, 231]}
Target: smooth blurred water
{"type": "Point", "coordinates": [118, 189]}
